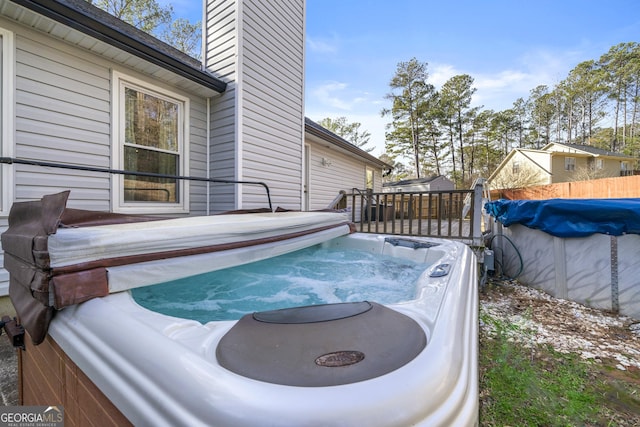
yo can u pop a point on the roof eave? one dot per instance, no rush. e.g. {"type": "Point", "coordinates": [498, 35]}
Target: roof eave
{"type": "Point", "coordinates": [88, 25]}
{"type": "Point", "coordinates": [341, 143]}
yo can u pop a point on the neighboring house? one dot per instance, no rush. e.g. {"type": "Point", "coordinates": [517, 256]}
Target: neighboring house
{"type": "Point", "coordinates": [334, 164]}
{"type": "Point", "coordinates": [81, 87]}
{"type": "Point", "coordinates": [557, 162]}
{"type": "Point", "coordinates": [432, 183]}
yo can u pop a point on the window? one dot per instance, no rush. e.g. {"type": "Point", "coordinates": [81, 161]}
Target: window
{"type": "Point", "coordinates": [624, 169]}
{"type": "Point", "coordinates": [149, 137]}
{"type": "Point", "coordinates": [569, 163]}
{"type": "Point", "coordinates": [599, 164]}
{"type": "Point", "coordinates": [6, 117]}
{"type": "Point", "coordinates": [369, 179]}
{"type": "Point", "coordinates": [516, 166]}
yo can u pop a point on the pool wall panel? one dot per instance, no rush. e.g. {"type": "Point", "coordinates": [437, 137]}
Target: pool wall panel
{"type": "Point", "coordinates": [599, 271]}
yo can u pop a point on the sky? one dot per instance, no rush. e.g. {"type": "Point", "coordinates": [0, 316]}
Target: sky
{"type": "Point", "coordinates": [507, 46]}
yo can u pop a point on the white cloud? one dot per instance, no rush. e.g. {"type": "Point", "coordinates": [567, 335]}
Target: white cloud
{"type": "Point", "coordinates": [337, 95]}
{"type": "Point", "coordinates": [508, 78]}
{"type": "Point", "coordinates": [322, 45]}
{"type": "Point", "coordinates": [534, 68]}
{"type": "Point", "coordinates": [440, 73]}
{"type": "Point", "coordinates": [498, 90]}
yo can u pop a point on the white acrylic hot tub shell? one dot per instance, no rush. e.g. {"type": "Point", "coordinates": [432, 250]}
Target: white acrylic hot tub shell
{"type": "Point", "coordinates": [159, 370]}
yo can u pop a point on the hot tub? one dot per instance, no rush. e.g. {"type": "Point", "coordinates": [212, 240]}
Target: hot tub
{"type": "Point", "coordinates": [412, 362]}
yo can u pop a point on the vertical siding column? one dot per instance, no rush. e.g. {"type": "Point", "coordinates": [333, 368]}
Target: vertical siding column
{"type": "Point", "coordinates": [258, 124]}
{"type": "Point", "coordinates": [220, 53]}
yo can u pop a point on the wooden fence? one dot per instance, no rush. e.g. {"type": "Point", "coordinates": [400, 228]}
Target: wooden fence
{"type": "Point", "coordinates": [604, 188]}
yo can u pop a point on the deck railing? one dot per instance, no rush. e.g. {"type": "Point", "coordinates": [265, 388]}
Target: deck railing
{"type": "Point", "coordinates": [455, 214]}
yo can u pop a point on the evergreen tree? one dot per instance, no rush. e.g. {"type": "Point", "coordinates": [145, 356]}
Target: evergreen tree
{"type": "Point", "coordinates": [622, 67]}
{"type": "Point", "coordinates": [157, 20]}
{"type": "Point", "coordinates": [349, 131]}
{"type": "Point", "coordinates": [455, 98]}
{"type": "Point", "coordinates": [410, 95]}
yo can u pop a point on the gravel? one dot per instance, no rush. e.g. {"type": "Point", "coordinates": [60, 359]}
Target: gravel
{"type": "Point", "coordinates": [538, 318]}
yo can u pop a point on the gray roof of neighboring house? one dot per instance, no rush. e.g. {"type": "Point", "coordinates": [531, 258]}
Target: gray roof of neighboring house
{"type": "Point", "coordinates": [414, 181]}
{"type": "Point", "coordinates": [95, 22]}
{"type": "Point", "coordinates": [595, 150]}
{"type": "Point", "coordinates": [321, 132]}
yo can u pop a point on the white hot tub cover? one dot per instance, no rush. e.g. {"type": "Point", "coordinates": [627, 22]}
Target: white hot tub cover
{"type": "Point", "coordinates": [58, 257]}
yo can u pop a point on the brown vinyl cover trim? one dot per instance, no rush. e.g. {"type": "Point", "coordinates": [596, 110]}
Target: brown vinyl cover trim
{"type": "Point", "coordinates": [81, 286]}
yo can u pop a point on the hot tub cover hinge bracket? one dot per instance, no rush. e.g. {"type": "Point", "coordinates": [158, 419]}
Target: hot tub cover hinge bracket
{"type": "Point", "coordinates": [14, 331]}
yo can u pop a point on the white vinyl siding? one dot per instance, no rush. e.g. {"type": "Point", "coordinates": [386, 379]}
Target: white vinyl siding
{"type": "Point", "coordinates": [198, 156]}
{"type": "Point", "coordinates": [336, 172]}
{"type": "Point", "coordinates": [7, 70]}
{"type": "Point", "coordinates": [56, 107]}
{"type": "Point", "coordinates": [221, 53]}
{"type": "Point", "coordinates": [222, 155]}
{"type": "Point", "coordinates": [221, 37]}
{"type": "Point", "coordinates": [272, 75]}
{"type": "Point", "coordinates": [265, 139]}
{"type": "Point", "coordinates": [7, 61]}
{"type": "Point", "coordinates": [62, 115]}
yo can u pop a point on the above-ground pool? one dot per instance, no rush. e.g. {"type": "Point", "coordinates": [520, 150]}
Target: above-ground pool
{"type": "Point", "coordinates": [328, 353]}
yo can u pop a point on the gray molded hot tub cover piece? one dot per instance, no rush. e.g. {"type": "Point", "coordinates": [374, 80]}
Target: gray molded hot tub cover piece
{"type": "Point", "coordinates": [321, 345]}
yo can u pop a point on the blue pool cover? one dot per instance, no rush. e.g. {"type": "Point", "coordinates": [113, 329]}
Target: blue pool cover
{"type": "Point", "coordinates": [570, 217]}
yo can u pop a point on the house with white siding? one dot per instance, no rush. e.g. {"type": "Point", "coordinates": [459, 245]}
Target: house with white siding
{"type": "Point", "coordinates": [333, 164]}
{"type": "Point", "coordinates": [82, 88]}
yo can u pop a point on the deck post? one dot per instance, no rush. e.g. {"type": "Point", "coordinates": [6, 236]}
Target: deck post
{"type": "Point", "coordinates": [476, 213]}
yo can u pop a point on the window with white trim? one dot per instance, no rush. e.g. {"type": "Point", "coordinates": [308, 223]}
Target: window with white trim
{"type": "Point", "coordinates": [6, 117]}
{"type": "Point", "coordinates": [150, 136]}
{"type": "Point", "coordinates": [369, 178]}
{"type": "Point", "coordinates": [516, 166]}
{"type": "Point", "coordinates": [569, 163]}
{"type": "Point", "coordinates": [599, 164]}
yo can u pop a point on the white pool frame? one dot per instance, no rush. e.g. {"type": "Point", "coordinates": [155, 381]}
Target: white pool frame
{"type": "Point", "coordinates": [162, 371]}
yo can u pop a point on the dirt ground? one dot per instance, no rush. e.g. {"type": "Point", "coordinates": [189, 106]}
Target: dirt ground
{"type": "Point", "coordinates": [609, 341]}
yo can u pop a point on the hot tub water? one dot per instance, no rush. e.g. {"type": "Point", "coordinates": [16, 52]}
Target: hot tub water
{"type": "Point", "coordinates": [315, 275]}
